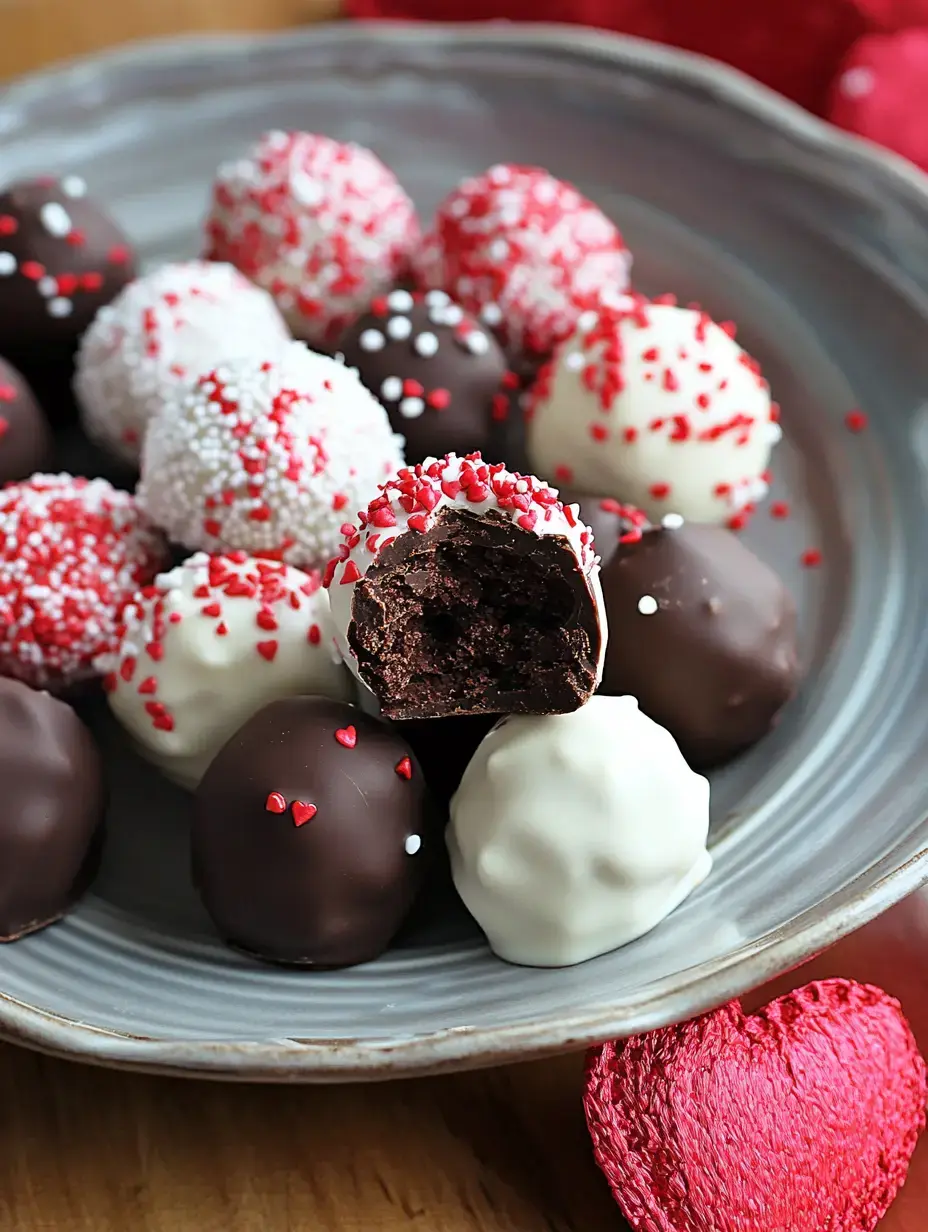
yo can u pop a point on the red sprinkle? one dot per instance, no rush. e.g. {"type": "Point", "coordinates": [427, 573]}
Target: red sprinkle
{"type": "Point", "coordinates": [404, 768]}
{"type": "Point", "coordinates": [811, 558]}
{"type": "Point", "coordinates": [275, 803]}
{"type": "Point", "coordinates": [779, 509]}
{"type": "Point", "coordinates": [347, 736]}
{"type": "Point", "coordinates": [856, 421]}
{"type": "Point", "coordinates": [267, 650]}
{"type": "Point", "coordinates": [302, 812]}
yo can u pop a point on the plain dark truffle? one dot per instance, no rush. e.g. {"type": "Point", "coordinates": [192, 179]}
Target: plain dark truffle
{"type": "Point", "coordinates": [52, 814]}
{"type": "Point", "coordinates": [608, 519]}
{"type": "Point", "coordinates": [313, 832]}
{"type": "Point", "coordinates": [61, 259]}
{"type": "Point", "coordinates": [439, 374]}
{"type": "Point", "coordinates": [703, 634]}
{"type": "Point", "coordinates": [25, 434]}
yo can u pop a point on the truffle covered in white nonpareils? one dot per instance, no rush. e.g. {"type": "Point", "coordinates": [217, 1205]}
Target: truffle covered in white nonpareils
{"type": "Point", "coordinates": [525, 252]}
{"type": "Point", "coordinates": [164, 330]}
{"type": "Point", "coordinates": [268, 457]}
{"type": "Point", "coordinates": [656, 405]}
{"type": "Point", "coordinates": [211, 643]}
{"type": "Point", "coordinates": [573, 834]}
{"type": "Point", "coordinates": [321, 224]}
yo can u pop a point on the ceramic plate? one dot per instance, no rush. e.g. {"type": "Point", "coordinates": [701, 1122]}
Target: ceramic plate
{"type": "Point", "coordinates": [818, 246]}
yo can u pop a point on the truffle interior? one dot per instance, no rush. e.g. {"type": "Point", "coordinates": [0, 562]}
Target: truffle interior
{"type": "Point", "coordinates": [475, 617]}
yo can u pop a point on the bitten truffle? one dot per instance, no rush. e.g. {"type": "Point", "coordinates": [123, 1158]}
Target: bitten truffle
{"type": "Point", "coordinates": [25, 435]}
{"type": "Point", "coordinates": [323, 225]}
{"type": "Point", "coordinates": [658, 406]}
{"type": "Point", "coordinates": [467, 589]}
{"type": "Point", "coordinates": [314, 830]}
{"type": "Point", "coordinates": [61, 259]}
{"type": "Point", "coordinates": [703, 634]}
{"type": "Point", "coordinates": [440, 375]}
{"type": "Point", "coordinates": [52, 815]}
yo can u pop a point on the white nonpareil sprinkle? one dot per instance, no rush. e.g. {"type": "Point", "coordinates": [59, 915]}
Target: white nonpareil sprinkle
{"type": "Point", "coordinates": [438, 299]}
{"type": "Point", "coordinates": [47, 287]}
{"type": "Point", "coordinates": [60, 307]}
{"type": "Point", "coordinates": [647, 605]}
{"type": "Point", "coordinates": [426, 345]}
{"type": "Point", "coordinates": [55, 219]}
{"type": "Point", "coordinates": [73, 186]}
{"type": "Point", "coordinates": [372, 340]}
{"type": "Point", "coordinates": [574, 361]}
{"type": "Point", "coordinates": [671, 521]}
{"type": "Point", "coordinates": [392, 389]}
{"type": "Point", "coordinates": [400, 301]}
{"type": "Point", "coordinates": [7, 264]}
{"type": "Point", "coordinates": [399, 328]}
{"type": "Point", "coordinates": [476, 342]}
{"type": "Point", "coordinates": [411, 408]}
{"type": "Point", "coordinates": [491, 314]}
{"type": "Point", "coordinates": [413, 844]}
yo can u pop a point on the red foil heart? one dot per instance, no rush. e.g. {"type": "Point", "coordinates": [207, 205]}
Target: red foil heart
{"type": "Point", "coordinates": [800, 1118]}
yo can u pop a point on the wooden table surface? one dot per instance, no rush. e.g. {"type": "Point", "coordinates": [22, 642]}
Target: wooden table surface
{"type": "Point", "coordinates": [87, 1150]}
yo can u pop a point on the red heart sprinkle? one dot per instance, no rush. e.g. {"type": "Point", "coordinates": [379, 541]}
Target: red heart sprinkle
{"type": "Point", "coordinates": [275, 803]}
{"type": "Point", "coordinates": [404, 768]}
{"type": "Point", "coordinates": [350, 574]}
{"type": "Point", "coordinates": [302, 812]}
{"type": "Point", "coordinates": [267, 650]}
{"type": "Point", "coordinates": [347, 736]}
{"type": "Point", "coordinates": [149, 685]}
{"type": "Point", "coordinates": [419, 522]}
{"type": "Point", "coordinates": [802, 1116]}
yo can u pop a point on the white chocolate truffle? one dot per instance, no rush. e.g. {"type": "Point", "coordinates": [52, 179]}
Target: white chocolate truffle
{"type": "Point", "coordinates": [574, 834]}
{"type": "Point", "coordinates": [267, 456]}
{"type": "Point", "coordinates": [658, 406]}
{"type": "Point", "coordinates": [161, 332]}
{"type": "Point", "coordinates": [211, 643]}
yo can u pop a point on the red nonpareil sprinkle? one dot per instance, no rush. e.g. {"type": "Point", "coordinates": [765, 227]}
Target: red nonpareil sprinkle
{"type": "Point", "coordinates": [267, 650]}
{"type": "Point", "coordinates": [779, 509]}
{"type": "Point", "coordinates": [266, 620]}
{"type": "Point", "coordinates": [350, 573]}
{"type": "Point", "coordinates": [670, 381]}
{"type": "Point", "coordinates": [738, 521]}
{"type": "Point", "coordinates": [221, 629]}
{"type": "Point", "coordinates": [314, 636]}
{"type": "Point", "coordinates": [211, 609]}
{"type": "Point", "coordinates": [438, 399]}
{"type": "Point", "coordinates": [302, 812]}
{"type": "Point", "coordinates": [148, 686]}
{"type": "Point", "coordinates": [347, 736]}
{"type": "Point", "coordinates": [8, 224]}
{"type": "Point", "coordinates": [599, 432]}
{"type": "Point", "coordinates": [118, 255]}
{"type": "Point", "coordinates": [811, 558]}
{"type": "Point", "coordinates": [856, 421]}
{"type": "Point", "coordinates": [499, 409]}
{"type": "Point", "coordinates": [563, 474]}
{"type": "Point", "coordinates": [275, 803]}
{"type": "Point", "coordinates": [404, 768]}
{"type": "Point", "coordinates": [339, 501]}
{"type": "Point", "coordinates": [659, 491]}
{"type": "Point", "coordinates": [32, 270]}
{"type": "Point", "coordinates": [630, 435]}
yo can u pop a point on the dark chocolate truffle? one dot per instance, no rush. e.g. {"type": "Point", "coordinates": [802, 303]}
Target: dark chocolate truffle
{"type": "Point", "coordinates": [313, 832]}
{"type": "Point", "coordinates": [610, 521]}
{"type": "Point", "coordinates": [703, 634]}
{"type": "Point", "coordinates": [61, 259]}
{"type": "Point", "coordinates": [52, 814]}
{"type": "Point", "coordinates": [25, 435]}
{"type": "Point", "coordinates": [440, 375]}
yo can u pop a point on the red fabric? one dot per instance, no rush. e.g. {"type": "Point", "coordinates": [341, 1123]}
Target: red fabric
{"type": "Point", "coordinates": [801, 1116]}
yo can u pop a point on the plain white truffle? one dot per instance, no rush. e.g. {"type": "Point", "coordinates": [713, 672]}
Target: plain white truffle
{"type": "Point", "coordinates": [210, 644]}
{"type": "Point", "coordinates": [162, 331]}
{"type": "Point", "coordinates": [573, 834]}
{"type": "Point", "coordinates": [658, 406]}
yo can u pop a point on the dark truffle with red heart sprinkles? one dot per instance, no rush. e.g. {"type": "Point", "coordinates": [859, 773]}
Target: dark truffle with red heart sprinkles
{"type": "Point", "coordinates": [314, 830]}
{"type": "Point", "coordinates": [52, 817]}
{"type": "Point", "coordinates": [25, 435]}
{"type": "Point", "coordinates": [439, 374]}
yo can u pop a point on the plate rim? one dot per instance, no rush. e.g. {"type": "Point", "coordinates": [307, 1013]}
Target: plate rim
{"type": "Point", "coordinates": [672, 999]}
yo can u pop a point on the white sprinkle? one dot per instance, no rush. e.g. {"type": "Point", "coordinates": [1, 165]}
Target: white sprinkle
{"type": "Point", "coordinates": [7, 264]}
{"type": "Point", "coordinates": [73, 186]}
{"type": "Point", "coordinates": [372, 340]}
{"type": "Point", "coordinates": [399, 328]}
{"type": "Point", "coordinates": [857, 82]}
{"type": "Point", "coordinates": [411, 408]}
{"type": "Point", "coordinates": [574, 361]}
{"type": "Point", "coordinates": [400, 301]}
{"type": "Point", "coordinates": [498, 250]}
{"type": "Point", "coordinates": [392, 389]}
{"type": "Point", "coordinates": [476, 342]}
{"type": "Point", "coordinates": [413, 843]}
{"type": "Point", "coordinates": [306, 190]}
{"type": "Point", "coordinates": [491, 314]}
{"type": "Point", "coordinates": [774, 433]}
{"type": "Point", "coordinates": [647, 605]}
{"type": "Point", "coordinates": [60, 307]}
{"type": "Point", "coordinates": [671, 521]}
{"type": "Point", "coordinates": [426, 345]}
{"type": "Point", "coordinates": [55, 219]}
{"type": "Point", "coordinates": [452, 315]}
{"type": "Point", "coordinates": [521, 486]}
{"type": "Point", "coordinates": [437, 299]}
{"type": "Point", "coordinates": [587, 320]}
{"type": "Point", "coordinates": [47, 287]}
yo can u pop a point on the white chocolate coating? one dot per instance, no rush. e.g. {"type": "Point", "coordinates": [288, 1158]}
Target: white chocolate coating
{"type": "Point", "coordinates": [209, 645]}
{"type": "Point", "coordinates": [162, 331]}
{"type": "Point", "coordinates": [574, 834]}
{"type": "Point", "coordinates": [658, 406]}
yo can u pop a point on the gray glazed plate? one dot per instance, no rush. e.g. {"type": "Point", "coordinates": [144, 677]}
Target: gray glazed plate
{"type": "Point", "coordinates": [818, 246]}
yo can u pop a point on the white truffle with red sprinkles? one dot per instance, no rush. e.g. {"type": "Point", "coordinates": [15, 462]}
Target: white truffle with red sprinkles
{"type": "Point", "coordinates": [267, 457]}
{"type": "Point", "coordinates": [162, 331]}
{"type": "Point", "coordinates": [72, 554]}
{"type": "Point", "coordinates": [465, 588]}
{"type": "Point", "coordinates": [659, 406]}
{"type": "Point", "coordinates": [321, 224]}
{"type": "Point", "coordinates": [208, 645]}
{"type": "Point", "coordinates": [574, 834]}
{"type": "Point", "coordinates": [525, 252]}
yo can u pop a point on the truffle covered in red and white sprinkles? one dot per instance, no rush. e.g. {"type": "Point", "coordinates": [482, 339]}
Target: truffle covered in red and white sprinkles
{"type": "Point", "coordinates": [268, 457]}
{"type": "Point", "coordinates": [525, 252]}
{"type": "Point", "coordinates": [466, 588]}
{"type": "Point", "coordinates": [209, 644]}
{"type": "Point", "coordinates": [164, 330]}
{"type": "Point", "coordinates": [74, 551]}
{"type": "Point", "coordinates": [659, 406]}
{"type": "Point", "coordinates": [323, 225]}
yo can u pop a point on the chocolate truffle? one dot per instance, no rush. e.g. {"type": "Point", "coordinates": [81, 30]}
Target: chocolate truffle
{"type": "Point", "coordinates": [25, 435]}
{"type": "Point", "coordinates": [53, 802]}
{"type": "Point", "coordinates": [61, 259]}
{"type": "Point", "coordinates": [703, 634]}
{"type": "Point", "coordinates": [313, 832]}
{"type": "Point", "coordinates": [467, 589]}
{"type": "Point", "coordinates": [439, 374]}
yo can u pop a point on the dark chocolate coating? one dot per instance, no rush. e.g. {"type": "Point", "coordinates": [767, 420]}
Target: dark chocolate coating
{"type": "Point", "coordinates": [718, 660]}
{"type": "Point", "coordinates": [74, 245]}
{"type": "Point", "coordinates": [469, 381]}
{"type": "Point", "coordinates": [25, 434]}
{"type": "Point", "coordinates": [52, 807]}
{"type": "Point", "coordinates": [333, 891]}
{"type": "Point", "coordinates": [475, 616]}
{"type": "Point", "coordinates": [607, 519]}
